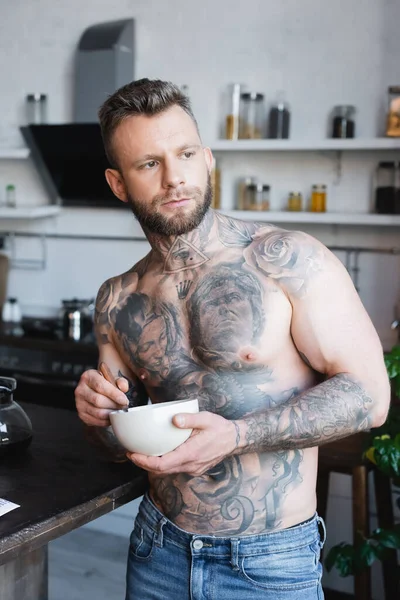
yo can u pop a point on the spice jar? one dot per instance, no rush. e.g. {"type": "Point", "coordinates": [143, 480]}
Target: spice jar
{"type": "Point", "coordinates": [318, 198]}
{"type": "Point", "coordinates": [343, 125]}
{"type": "Point", "coordinates": [393, 114]}
{"type": "Point", "coordinates": [257, 197]}
{"type": "Point", "coordinates": [232, 118]}
{"type": "Point", "coordinates": [279, 120]}
{"type": "Point", "coordinates": [242, 186]}
{"type": "Point", "coordinates": [387, 188]}
{"type": "Point", "coordinates": [295, 201]}
{"type": "Point", "coordinates": [252, 116]}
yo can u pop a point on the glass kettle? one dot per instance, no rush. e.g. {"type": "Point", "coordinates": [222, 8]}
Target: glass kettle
{"type": "Point", "coordinates": [15, 425]}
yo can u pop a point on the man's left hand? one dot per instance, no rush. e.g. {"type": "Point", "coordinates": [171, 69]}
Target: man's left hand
{"type": "Point", "coordinates": [212, 439]}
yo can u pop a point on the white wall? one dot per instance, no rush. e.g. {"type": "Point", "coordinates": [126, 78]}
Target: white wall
{"type": "Point", "coordinates": [320, 53]}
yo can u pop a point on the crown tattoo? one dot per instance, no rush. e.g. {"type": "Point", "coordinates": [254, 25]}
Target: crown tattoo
{"type": "Point", "coordinates": [183, 288]}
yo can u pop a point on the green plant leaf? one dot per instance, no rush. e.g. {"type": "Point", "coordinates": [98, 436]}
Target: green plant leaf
{"type": "Point", "coordinates": [365, 555]}
{"type": "Point", "coordinates": [342, 557]}
{"type": "Point", "coordinates": [392, 369]}
{"type": "Point", "coordinates": [389, 538]}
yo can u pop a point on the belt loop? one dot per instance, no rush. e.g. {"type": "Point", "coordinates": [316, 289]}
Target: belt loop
{"type": "Point", "coordinates": [235, 553]}
{"type": "Point", "coordinates": [159, 540]}
{"type": "Point", "coordinates": [321, 522]}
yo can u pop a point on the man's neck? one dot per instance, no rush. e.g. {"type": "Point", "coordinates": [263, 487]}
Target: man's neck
{"type": "Point", "coordinates": [187, 251]}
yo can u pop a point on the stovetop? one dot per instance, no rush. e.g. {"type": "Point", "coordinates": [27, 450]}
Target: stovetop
{"type": "Point", "coordinates": [43, 351]}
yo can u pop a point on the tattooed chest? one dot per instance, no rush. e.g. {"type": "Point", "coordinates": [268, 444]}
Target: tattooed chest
{"type": "Point", "coordinates": [210, 340]}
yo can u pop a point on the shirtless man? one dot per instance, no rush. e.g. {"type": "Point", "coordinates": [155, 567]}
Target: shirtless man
{"type": "Point", "coordinates": [265, 328]}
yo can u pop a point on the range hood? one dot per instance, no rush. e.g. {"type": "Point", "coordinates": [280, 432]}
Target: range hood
{"type": "Point", "coordinates": [70, 157]}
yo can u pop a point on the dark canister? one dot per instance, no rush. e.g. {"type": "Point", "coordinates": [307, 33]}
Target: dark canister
{"type": "Point", "coordinates": [387, 188]}
{"type": "Point", "coordinates": [343, 124]}
{"type": "Point", "coordinates": [15, 425]}
{"type": "Point", "coordinates": [279, 120]}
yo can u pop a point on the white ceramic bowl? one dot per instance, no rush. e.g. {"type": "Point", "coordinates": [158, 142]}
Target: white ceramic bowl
{"type": "Point", "coordinates": [149, 429]}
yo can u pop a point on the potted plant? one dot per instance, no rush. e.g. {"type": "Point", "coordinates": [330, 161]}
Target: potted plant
{"type": "Point", "coordinates": [384, 453]}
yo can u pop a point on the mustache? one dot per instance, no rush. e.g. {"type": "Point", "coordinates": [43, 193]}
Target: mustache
{"type": "Point", "coordinates": [187, 192]}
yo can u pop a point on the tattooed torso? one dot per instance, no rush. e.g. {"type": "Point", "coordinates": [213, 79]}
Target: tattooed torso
{"type": "Point", "coordinates": [216, 326]}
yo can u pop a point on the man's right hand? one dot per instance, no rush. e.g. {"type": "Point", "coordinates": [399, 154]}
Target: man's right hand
{"type": "Point", "coordinates": [95, 397]}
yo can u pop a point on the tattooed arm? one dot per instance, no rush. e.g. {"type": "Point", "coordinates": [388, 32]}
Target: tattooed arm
{"type": "Point", "coordinates": [94, 396]}
{"type": "Point", "coordinates": [332, 331]}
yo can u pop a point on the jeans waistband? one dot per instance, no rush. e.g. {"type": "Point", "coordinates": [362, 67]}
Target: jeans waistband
{"type": "Point", "coordinates": [294, 537]}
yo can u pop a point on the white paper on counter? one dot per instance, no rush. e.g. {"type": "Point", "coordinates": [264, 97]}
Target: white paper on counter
{"type": "Point", "coordinates": [6, 506]}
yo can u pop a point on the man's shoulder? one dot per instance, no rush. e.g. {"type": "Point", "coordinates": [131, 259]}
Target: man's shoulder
{"type": "Point", "coordinates": [115, 289]}
{"type": "Point", "coordinates": [288, 257]}
{"type": "Point", "coordinates": [117, 283]}
{"type": "Point", "coordinates": [235, 232]}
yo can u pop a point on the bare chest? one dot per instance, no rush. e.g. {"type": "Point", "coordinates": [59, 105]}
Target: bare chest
{"type": "Point", "coordinates": [216, 335]}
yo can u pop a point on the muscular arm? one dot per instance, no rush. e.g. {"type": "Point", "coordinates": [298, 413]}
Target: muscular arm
{"type": "Point", "coordinates": [334, 334]}
{"type": "Point", "coordinates": [110, 295]}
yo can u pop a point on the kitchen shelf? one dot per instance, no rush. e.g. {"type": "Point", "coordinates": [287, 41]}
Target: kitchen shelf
{"type": "Point", "coordinates": [29, 212]}
{"type": "Point", "coordinates": [13, 153]}
{"type": "Point", "coordinates": [305, 145]}
{"type": "Point", "coordinates": [267, 145]}
{"type": "Point", "coordinates": [328, 218]}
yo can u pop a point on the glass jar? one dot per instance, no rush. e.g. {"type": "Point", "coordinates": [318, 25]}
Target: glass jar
{"type": "Point", "coordinates": [232, 118]}
{"type": "Point", "coordinates": [252, 116]}
{"type": "Point", "coordinates": [36, 109]}
{"type": "Point", "coordinates": [295, 201]}
{"type": "Point", "coordinates": [242, 192]}
{"type": "Point", "coordinates": [393, 114]}
{"type": "Point", "coordinates": [387, 188]}
{"type": "Point", "coordinates": [279, 120]}
{"type": "Point", "coordinates": [15, 425]}
{"type": "Point", "coordinates": [257, 197]}
{"type": "Point", "coordinates": [318, 198]}
{"type": "Point", "coordinates": [343, 125]}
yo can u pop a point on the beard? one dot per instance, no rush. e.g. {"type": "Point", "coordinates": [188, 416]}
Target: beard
{"type": "Point", "coordinates": [179, 223]}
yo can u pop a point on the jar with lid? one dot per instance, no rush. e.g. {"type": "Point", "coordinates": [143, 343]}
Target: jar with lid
{"type": "Point", "coordinates": [295, 201]}
{"type": "Point", "coordinates": [252, 116]}
{"type": "Point", "coordinates": [36, 109]}
{"type": "Point", "coordinates": [393, 114]}
{"type": "Point", "coordinates": [343, 125]}
{"type": "Point", "coordinates": [232, 118]}
{"type": "Point", "coordinates": [257, 197]}
{"type": "Point", "coordinates": [242, 186]}
{"type": "Point", "coordinates": [279, 119]}
{"type": "Point", "coordinates": [387, 188]}
{"type": "Point", "coordinates": [318, 198]}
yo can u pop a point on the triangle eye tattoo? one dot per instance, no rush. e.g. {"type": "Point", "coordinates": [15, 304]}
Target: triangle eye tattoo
{"type": "Point", "coordinates": [182, 256]}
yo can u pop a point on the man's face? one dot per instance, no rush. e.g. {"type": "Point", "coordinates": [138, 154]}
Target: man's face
{"type": "Point", "coordinates": [225, 318]}
{"type": "Point", "coordinates": [165, 171]}
{"type": "Point", "coordinates": [152, 345]}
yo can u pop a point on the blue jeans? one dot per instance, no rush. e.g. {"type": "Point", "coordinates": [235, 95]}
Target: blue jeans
{"type": "Point", "coordinates": [168, 563]}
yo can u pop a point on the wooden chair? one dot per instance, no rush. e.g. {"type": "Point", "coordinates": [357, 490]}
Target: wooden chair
{"type": "Point", "coordinates": [345, 456]}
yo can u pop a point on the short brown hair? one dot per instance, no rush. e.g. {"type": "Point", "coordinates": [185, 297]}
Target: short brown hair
{"type": "Point", "coordinates": [141, 97]}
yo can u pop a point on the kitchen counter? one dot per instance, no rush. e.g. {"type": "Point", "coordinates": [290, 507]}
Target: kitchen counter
{"type": "Point", "coordinates": [60, 483]}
